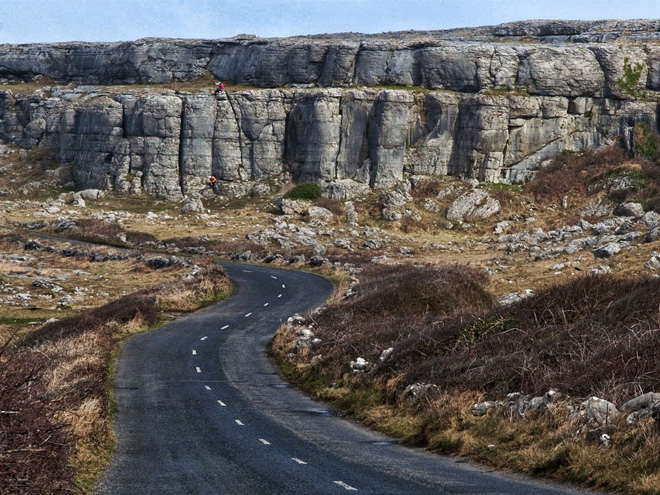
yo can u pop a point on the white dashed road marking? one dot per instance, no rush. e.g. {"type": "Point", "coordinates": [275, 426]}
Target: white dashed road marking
{"type": "Point", "coordinates": [198, 369]}
{"type": "Point", "coordinates": [264, 441]}
{"type": "Point", "coordinates": [265, 305]}
{"type": "Point", "coordinates": [222, 403]}
{"type": "Point", "coordinates": [247, 271]}
{"type": "Point", "coordinates": [299, 461]}
{"type": "Point", "coordinates": [279, 295]}
{"type": "Point", "coordinates": [194, 352]}
{"type": "Point", "coordinates": [273, 276]}
{"type": "Point", "coordinates": [203, 338]}
{"type": "Point", "coordinates": [207, 387]}
{"type": "Point", "coordinates": [283, 286]}
{"type": "Point", "coordinates": [249, 314]}
{"type": "Point", "coordinates": [223, 328]}
{"type": "Point", "coordinates": [239, 422]}
{"type": "Point", "coordinates": [345, 486]}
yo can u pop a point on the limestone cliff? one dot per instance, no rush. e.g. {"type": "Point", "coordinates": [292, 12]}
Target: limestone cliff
{"type": "Point", "coordinates": [488, 103]}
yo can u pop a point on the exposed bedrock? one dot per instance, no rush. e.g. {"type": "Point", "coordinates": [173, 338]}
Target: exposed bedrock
{"type": "Point", "coordinates": [552, 58]}
{"type": "Point", "coordinates": [167, 143]}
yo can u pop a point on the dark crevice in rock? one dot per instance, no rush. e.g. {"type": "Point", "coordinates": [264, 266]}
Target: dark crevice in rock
{"type": "Point", "coordinates": [181, 146]}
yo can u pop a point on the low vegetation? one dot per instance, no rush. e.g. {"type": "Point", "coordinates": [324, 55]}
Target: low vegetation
{"type": "Point", "coordinates": [452, 347]}
{"type": "Point", "coordinates": [309, 190]}
{"type": "Point", "coordinates": [608, 170]}
{"type": "Point", "coordinates": [55, 404]}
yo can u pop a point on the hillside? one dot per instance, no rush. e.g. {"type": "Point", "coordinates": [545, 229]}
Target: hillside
{"type": "Point", "coordinates": [487, 201]}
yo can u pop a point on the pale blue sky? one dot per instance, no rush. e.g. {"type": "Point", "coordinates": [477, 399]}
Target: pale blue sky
{"type": "Point", "coordinates": [26, 21]}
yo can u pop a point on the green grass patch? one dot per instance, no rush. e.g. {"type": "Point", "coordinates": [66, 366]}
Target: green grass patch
{"type": "Point", "coordinates": [309, 191]}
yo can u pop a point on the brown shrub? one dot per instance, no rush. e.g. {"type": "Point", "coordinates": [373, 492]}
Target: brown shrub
{"type": "Point", "coordinates": [334, 205]}
{"type": "Point", "coordinates": [409, 225]}
{"type": "Point", "coordinates": [92, 228]}
{"type": "Point", "coordinates": [428, 188]}
{"type": "Point", "coordinates": [33, 440]}
{"type": "Point", "coordinates": [574, 173]}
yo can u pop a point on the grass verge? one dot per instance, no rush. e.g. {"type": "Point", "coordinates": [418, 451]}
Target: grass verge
{"type": "Point", "coordinates": [448, 347]}
{"type": "Point", "coordinates": [55, 428]}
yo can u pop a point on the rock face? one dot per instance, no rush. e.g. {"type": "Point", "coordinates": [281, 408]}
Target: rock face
{"type": "Point", "coordinates": [489, 110]}
{"type": "Point", "coordinates": [167, 143]}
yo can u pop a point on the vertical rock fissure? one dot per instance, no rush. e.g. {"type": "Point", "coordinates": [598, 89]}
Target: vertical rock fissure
{"type": "Point", "coordinates": [215, 127]}
{"type": "Point", "coordinates": [355, 65]}
{"type": "Point", "coordinates": [335, 172]}
{"type": "Point", "coordinates": [239, 133]}
{"type": "Point", "coordinates": [181, 144]}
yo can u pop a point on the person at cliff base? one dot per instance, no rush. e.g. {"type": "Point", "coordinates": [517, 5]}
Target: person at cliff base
{"type": "Point", "coordinates": [220, 87]}
{"type": "Point", "coordinates": [212, 183]}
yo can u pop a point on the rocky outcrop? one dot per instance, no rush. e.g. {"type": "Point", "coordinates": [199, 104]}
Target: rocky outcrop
{"type": "Point", "coordinates": [550, 58]}
{"type": "Point", "coordinates": [487, 103]}
{"type": "Point", "coordinates": [166, 143]}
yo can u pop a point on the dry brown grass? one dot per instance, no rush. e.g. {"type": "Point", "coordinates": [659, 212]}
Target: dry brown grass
{"type": "Point", "coordinates": [596, 335]}
{"type": "Point", "coordinates": [62, 370]}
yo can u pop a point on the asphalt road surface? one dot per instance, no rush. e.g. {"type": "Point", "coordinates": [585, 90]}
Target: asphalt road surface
{"type": "Point", "coordinates": [201, 410]}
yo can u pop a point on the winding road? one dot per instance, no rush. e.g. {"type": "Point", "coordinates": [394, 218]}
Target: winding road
{"type": "Point", "coordinates": [201, 410]}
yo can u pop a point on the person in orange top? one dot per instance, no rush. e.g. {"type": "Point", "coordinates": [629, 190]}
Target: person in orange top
{"type": "Point", "coordinates": [212, 181]}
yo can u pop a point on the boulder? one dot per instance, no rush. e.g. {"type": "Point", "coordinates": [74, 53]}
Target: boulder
{"type": "Point", "coordinates": [653, 263]}
{"type": "Point", "coordinates": [292, 206]}
{"type": "Point", "coordinates": [473, 206]}
{"type": "Point", "coordinates": [391, 214]}
{"type": "Point", "coordinates": [643, 401]}
{"type": "Point", "coordinates": [91, 194]}
{"type": "Point", "coordinates": [192, 204]}
{"type": "Point", "coordinates": [607, 250]}
{"type": "Point", "coordinates": [629, 210]}
{"type": "Point", "coordinates": [351, 214]}
{"type": "Point", "coordinates": [599, 412]}
{"type": "Point", "coordinates": [386, 354]}
{"type": "Point", "coordinates": [360, 364]}
{"type": "Point", "coordinates": [345, 189]}
{"type": "Point", "coordinates": [319, 212]}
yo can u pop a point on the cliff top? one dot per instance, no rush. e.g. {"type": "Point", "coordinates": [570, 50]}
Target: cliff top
{"type": "Point", "coordinates": [545, 31]}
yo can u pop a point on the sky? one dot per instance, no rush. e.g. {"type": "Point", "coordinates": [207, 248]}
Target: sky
{"type": "Point", "coordinates": [32, 21]}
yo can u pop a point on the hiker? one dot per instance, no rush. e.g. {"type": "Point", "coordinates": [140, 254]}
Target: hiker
{"type": "Point", "coordinates": [212, 183]}
{"type": "Point", "coordinates": [220, 87]}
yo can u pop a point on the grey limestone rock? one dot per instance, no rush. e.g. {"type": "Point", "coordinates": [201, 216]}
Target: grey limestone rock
{"type": "Point", "coordinates": [629, 210]}
{"type": "Point", "coordinates": [607, 250]}
{"type": "Point", "coordinates": [643, 401]}
{"type": "Point", "coordinates": [599, 412]}
{"type": "Point", "coordinates": [482, 408]}
{"type": "Point", "coordinates": [473, 205]}
{"type": "Point", "coordinates": [489, 111]}
{"type": "Point", "coordinates": [292, 206]}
